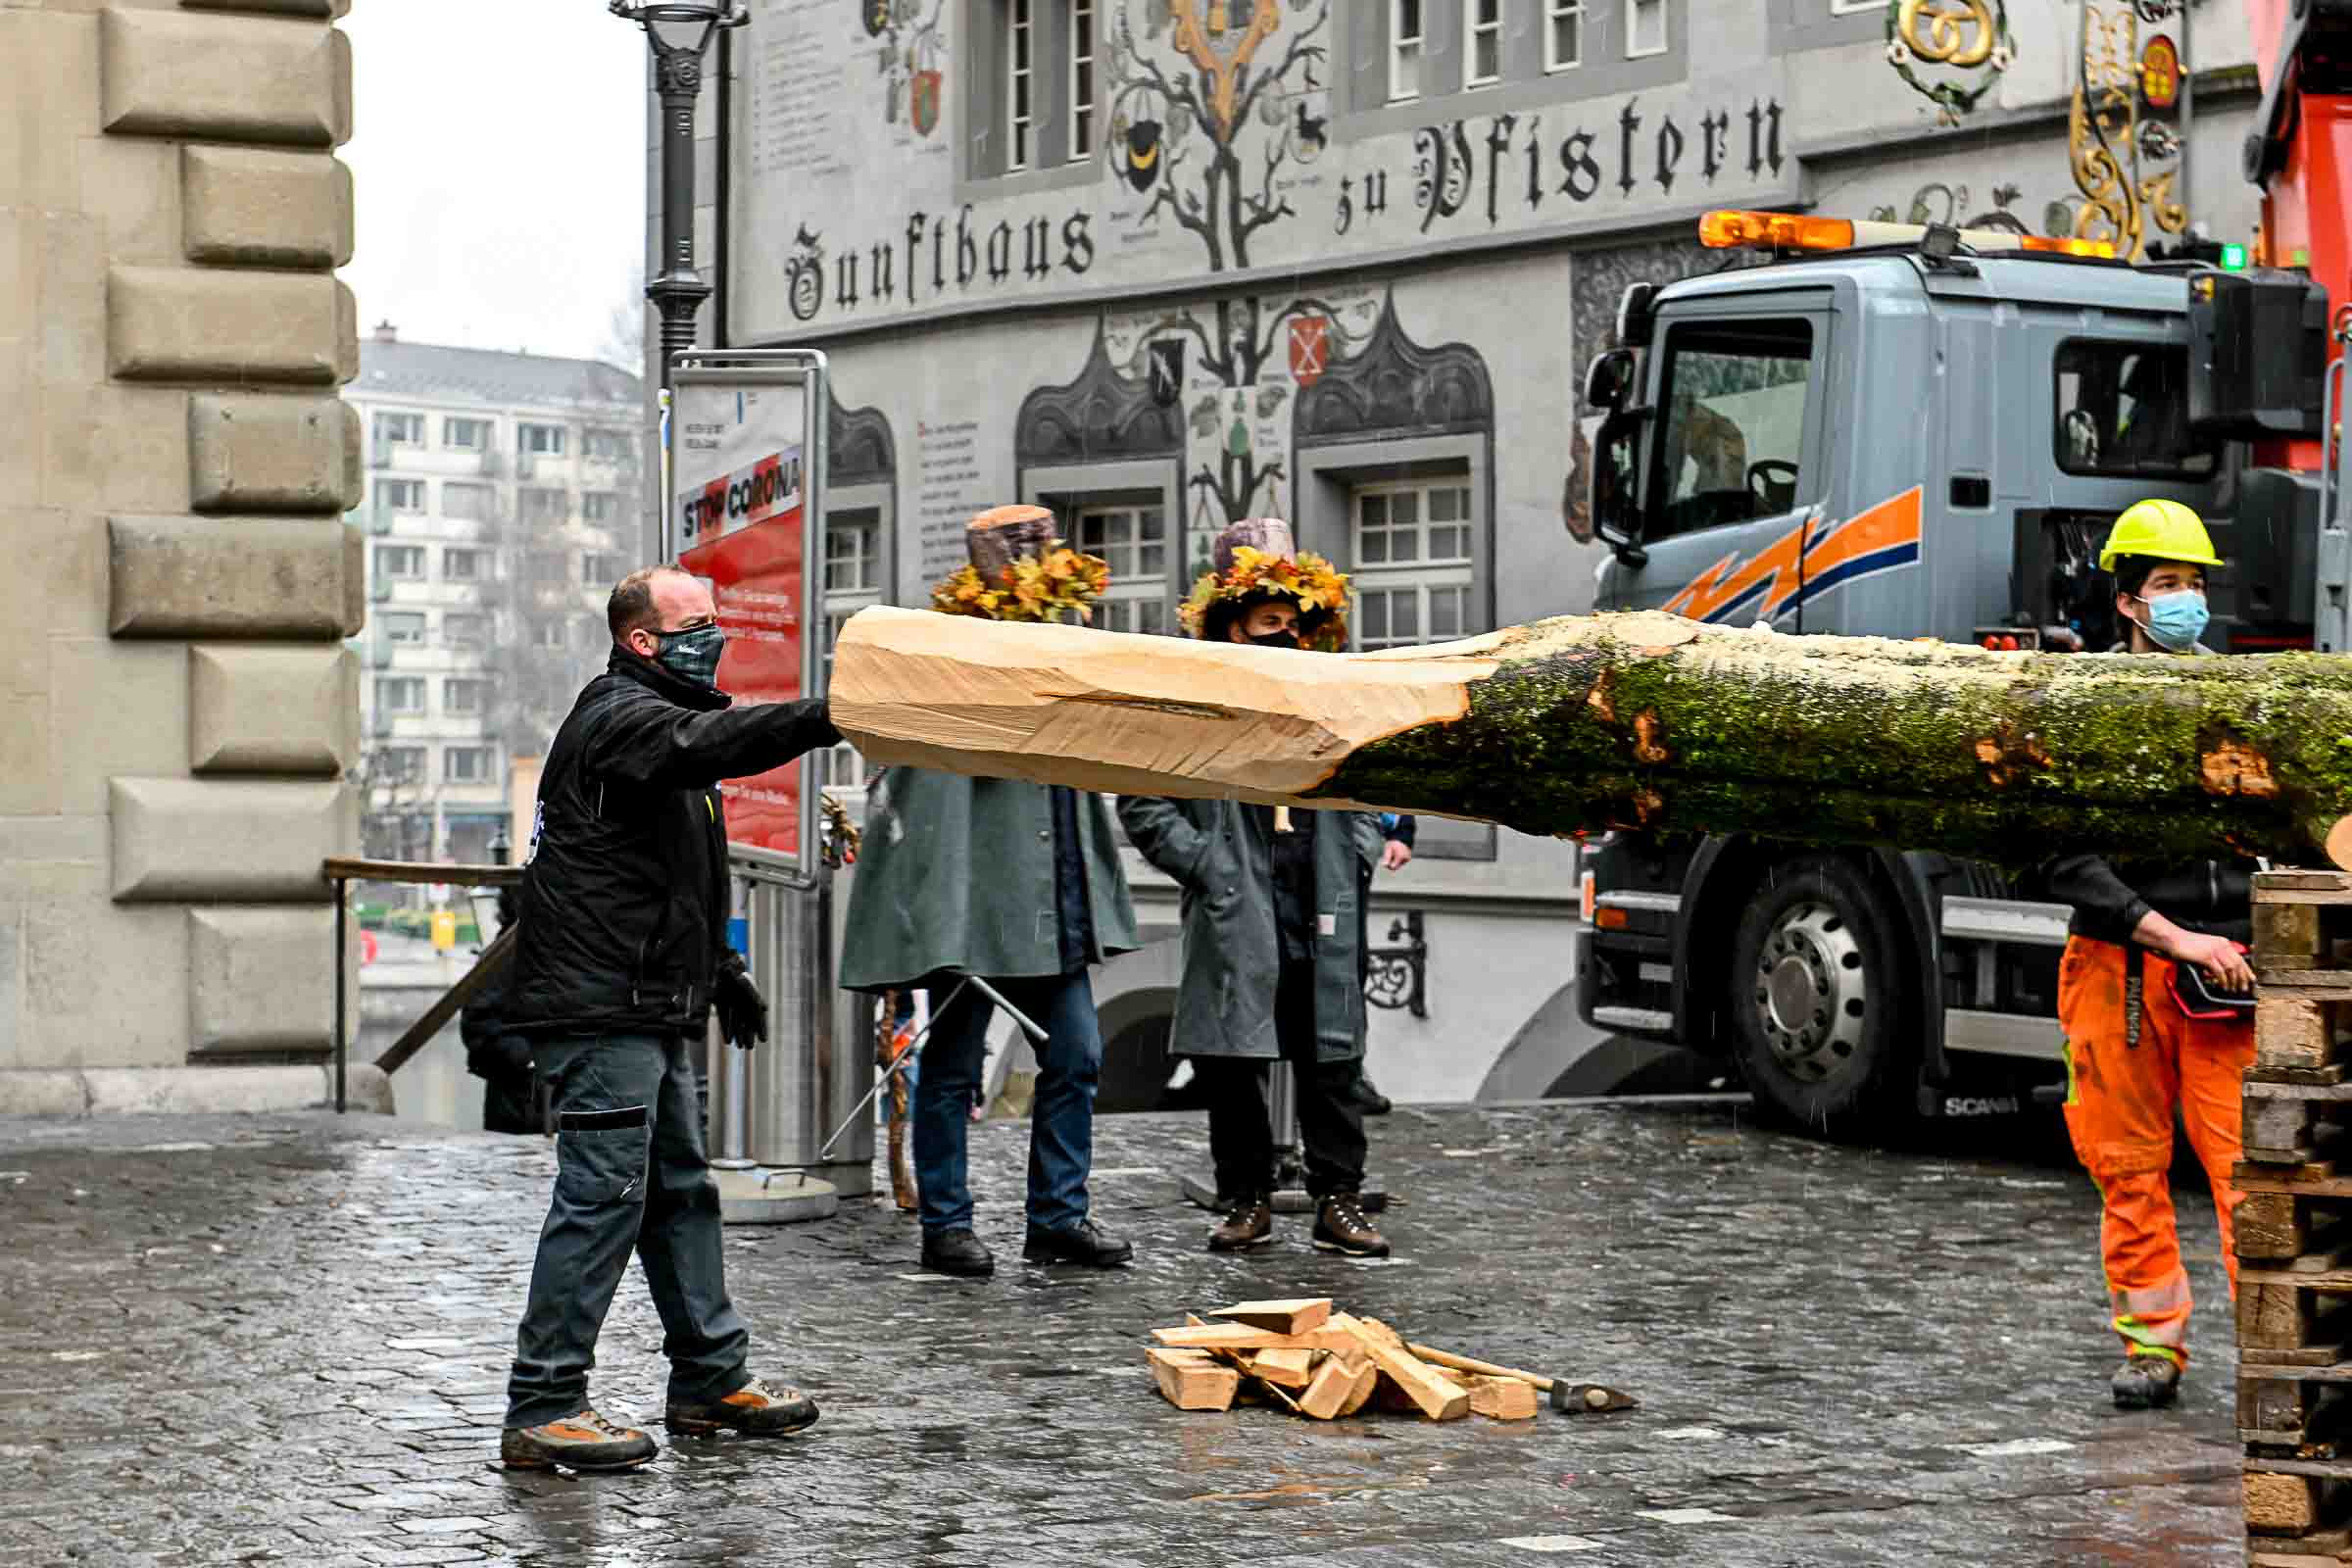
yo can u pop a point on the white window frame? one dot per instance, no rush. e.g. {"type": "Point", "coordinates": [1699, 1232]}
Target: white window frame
{"type": "Point", "coordinates": [605, 445]}
{"type": "Point", "coordinates": [486, 771]}
{"type": "Point", "coordinates": [473, 685]}
{"type": "Point", "coordinates": [389, 426]}
{"type": "Point", "coordinates": [395, 618]}
{"type": "Point", "coordinates": [597, 570]}
{"type": "Point", "coordinates": [483, 432]}
{"type": "Point", "coordinates": [1556, 12]}
{"type": "Point", "coordinates": [489, 498]}
{"type": "Point", "coordinates": [550, 634]}
{"type": "Point", "coordinates": [405, 553]}
{"type": "Point", "coordinates": [394, 774]}
{"type": "Point", "coordinates": [1085, 41]}
{"type": "Point", "coordinates": [387, 684]}
{"type": "Point", "coordinates": [1472, 28]}
{"type": "Point", "coordinates": [1020, 83]}
{"type": "Point", "coordinates": [527, 432]}
{"type": "Point", "coordinates": [1133, 585]}
{"type": "Point", "coordinates": [1449, 573]}
{"type": "Point", "coordinates": [1635, 10]}
{"type": "Point", "coordinates": [527, 505]}
{"type": "Point", "coordinates": [475, 560]}
{"type": "Point", "coordinates": [453, 622]}
{"type": "Point", "coordinates": [1398, 45]}
{"type": "Point", "coordinates": [393, 491]}
{"type": "Point", "coordinates": [598, 505]}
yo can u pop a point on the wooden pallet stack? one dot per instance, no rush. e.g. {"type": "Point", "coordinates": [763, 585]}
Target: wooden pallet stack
{"type": "Point", "coordinates": [2294, 1228]}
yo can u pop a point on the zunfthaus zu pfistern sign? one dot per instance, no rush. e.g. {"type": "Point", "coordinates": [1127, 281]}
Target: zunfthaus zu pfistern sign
{"type": "Point", "coordinates": [1221, 151]}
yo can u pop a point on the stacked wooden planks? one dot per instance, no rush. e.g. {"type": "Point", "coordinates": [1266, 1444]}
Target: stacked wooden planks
{"type": "Point", "coordinates": [2294, 1227]}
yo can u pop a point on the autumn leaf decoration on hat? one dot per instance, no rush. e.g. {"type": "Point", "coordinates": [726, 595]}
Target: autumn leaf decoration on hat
{"type": "Point", "coordinates": [1021, 571]}
{"type": "Point", "coordinates": [1254, 560]}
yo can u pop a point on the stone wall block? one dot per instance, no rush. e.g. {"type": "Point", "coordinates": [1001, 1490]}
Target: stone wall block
{"type": "Point", "coordinates": [355, 581]}
{"type": "Point", "coordinates": [105, 984]}
{"type": "Point", "coordinates": [273, 710]}
{"type": "Point", "coordinates": [172, 323]}
{"type": "Point", "coordinates": [247, 207]}
{"type": "Point", "coordinates": [224, 78]}
{"type": "Point", "coordinates": [251, 452]}
{"type": "Point", "coordinates": [272, 578]}
{"type": "Point", "coordinates": [227, 841]}
{"type": "Point", "coordinates": [260, 980]}
{"type": "Point", "coordinates": [50, 98]}
{"type": "Point", "coordinates": [122, 709]}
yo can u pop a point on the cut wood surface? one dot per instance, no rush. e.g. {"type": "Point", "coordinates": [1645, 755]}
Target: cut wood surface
{"type": "Point", "coordinates": [1191, 1380]}
{"type": "Point", "coordinates": [1283, 1317]}
{"type": "Point", "coordinates": [1287, 1368]}
{"type": "Point", "coordinates": [1502, 1398]}
{"type": "Point", "coordinates": [1229, 1337]}
{"type": "Point", "coordinates": [1434, 1393]}
{"type": "Point", "coordinates": [1367, 1379]}
{"type": "Point", "coordinates": [1334, 1380]}
{"type": "Point", "coordinates": [1643, 721]}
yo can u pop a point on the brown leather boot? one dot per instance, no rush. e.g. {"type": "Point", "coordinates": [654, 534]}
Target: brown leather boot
{"type": "Point", "coordinates": [582, 1441]}
{"type": "Point", "coordinates": [1341, 1227]}
{"type": "Point", "coordinates": [1248, 1222]}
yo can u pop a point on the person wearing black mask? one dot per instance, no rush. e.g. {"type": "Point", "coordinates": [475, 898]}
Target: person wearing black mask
{"type": "Point", "coordinates": [621, 960]}
{"type": "Point", "coordinates": [1271, 932]}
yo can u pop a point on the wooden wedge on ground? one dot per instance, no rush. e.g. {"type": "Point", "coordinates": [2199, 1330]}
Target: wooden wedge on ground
{"type": "Point", "coordinates": [1287, 1368]}
{"type": "Point", "coordinates": [1237, 1337]}
{"type": "Point", "coordinates": [1283, 1317]}
{"type": "Point", "coordinates": [1367, 1379]}
{"type": "Point", "coordinates": [1431, 1392]}
{"type": "Point", "coordinates": [1192, 1380]}
{"type": "Point", "coordinates": [1504, 1399]}
{"type": "Point", "coordinates": [1334, 1383]}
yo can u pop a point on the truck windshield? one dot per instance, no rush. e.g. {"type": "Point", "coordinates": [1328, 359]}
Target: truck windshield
{"type": "Point", "coordinates": [2123, 407]}
{"type": "Point", "coordinates": [1734, 401]}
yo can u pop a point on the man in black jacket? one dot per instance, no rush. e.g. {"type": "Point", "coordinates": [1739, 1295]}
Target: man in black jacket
{"type": "Point", "coordinates": [499, 1057]}
{"type": "Point", "coordinates": [622, 957]}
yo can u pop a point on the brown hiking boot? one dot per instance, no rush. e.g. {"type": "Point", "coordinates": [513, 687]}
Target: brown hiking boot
{"type": "Point", "coordinates": [583, 1442]}
{"type": "Point", "coordinates": [755, 1409]}
{"type": "Point", "coordinates": [1248, 1222]}
{"type": "Point", "coordinates": [1341, 1227]}
{"type": "Point", "coordinates": [2145, 1380]}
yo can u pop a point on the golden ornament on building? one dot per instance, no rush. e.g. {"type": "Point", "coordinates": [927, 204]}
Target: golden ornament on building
{"type": "Point", "coordinates": [1222, 68]}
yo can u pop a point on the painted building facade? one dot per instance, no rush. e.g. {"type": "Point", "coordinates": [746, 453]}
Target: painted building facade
{"type": "Point", "coordinates": [1158, 264]}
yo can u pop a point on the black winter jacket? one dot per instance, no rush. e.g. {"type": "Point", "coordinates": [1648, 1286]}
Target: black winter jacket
{"type": "Point", "coordinates": [624, 904]}
{"type": "Point", "coordinates": [2110, 897]}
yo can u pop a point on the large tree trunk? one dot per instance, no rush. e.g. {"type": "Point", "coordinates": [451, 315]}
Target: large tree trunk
{"type": "Point", "coordinates": [1648, 722]}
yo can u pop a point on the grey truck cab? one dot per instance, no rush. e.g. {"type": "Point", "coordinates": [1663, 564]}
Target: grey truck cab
{"type": "Point", "coordinates": [1917, 433]}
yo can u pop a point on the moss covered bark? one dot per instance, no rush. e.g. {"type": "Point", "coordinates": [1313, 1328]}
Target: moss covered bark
{"type": "Point", "coordinates": [1650, 722]}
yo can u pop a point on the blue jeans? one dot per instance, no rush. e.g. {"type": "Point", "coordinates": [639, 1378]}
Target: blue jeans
{"type": "Point", "coordinates": [1061, 1123]}
{"type": "Point", "coordinates": [630, 1173]}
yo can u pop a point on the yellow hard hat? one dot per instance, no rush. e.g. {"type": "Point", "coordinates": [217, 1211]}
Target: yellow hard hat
{"type": "Point", "coordinates": [2160, 530]}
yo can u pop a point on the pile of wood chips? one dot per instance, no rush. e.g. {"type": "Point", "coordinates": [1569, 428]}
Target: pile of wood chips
{"type": "Point", "coordinates": [1322, 1364]}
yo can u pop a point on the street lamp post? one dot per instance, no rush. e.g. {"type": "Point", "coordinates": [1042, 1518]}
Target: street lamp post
{"type": "Point", "coordinates": [678, 34]}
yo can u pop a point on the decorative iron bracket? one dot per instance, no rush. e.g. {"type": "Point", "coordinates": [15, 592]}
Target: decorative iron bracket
{"type": "Point", "coordinates": [1398, 977]}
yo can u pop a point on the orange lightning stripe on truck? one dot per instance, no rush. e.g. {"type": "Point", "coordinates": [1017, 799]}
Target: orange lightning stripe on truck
{"type": "Point", "coordinates": [1769, 584]}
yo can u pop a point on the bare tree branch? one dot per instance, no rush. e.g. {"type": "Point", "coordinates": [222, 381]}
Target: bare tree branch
{"type": "Point", "coordinates": [1302, 47]}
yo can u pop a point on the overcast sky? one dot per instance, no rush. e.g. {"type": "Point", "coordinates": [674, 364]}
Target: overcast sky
{"type": "Point", "coordinates": [499, 155]}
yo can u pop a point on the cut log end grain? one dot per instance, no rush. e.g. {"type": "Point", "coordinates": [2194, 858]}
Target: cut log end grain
{"type": "Point", "coordinates": [1502, 1398]}
{"type": "Point", "coordinates": [1643, 721]}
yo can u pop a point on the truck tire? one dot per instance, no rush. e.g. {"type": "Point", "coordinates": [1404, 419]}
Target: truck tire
{"type": "Point", "coordinates": [1820, 1000]}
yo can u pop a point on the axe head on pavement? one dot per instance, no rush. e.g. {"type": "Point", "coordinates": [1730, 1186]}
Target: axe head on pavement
{"type": "Point", "coordinates": [1588, 1399]}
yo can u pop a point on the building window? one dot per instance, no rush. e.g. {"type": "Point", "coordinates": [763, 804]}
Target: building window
{"type": "Point", "coordinates": [400, 694]}
{"type": "Point", "coordinates": [546, 506]}
{"type": "Point", "coordinates": [606, 445]}
{"type": "Point", "coordinates": [548, 634]}
{"type": "Point", "coordinates": [545, 440]}
{"type": "Point", "coordinates": [467, 764]}
{"type": "Point", "coordinates": [403, 628]}
{"type": "Point", "coordinates": [461, 630]}
{"type": "Point", "coordinates": [468, 502]}
{"type": "Point", "coordinates": [461, 696]}
{"type": "Point", "coordinates": [1644, 29]}
{"type": "Point", "coordinates": [1481, 44]}
{"type": "Point", "coordinates": [1732, 426]}
{"type": "Point", "coordinates": [397, 765]}
{"type": "Point", "coordinates": [1082, 79]}
{"type": "Point", "coordinates": [462, 565]}
{"type": "Point", "coordinates": [598, 505]}
{"type": "Point", "coordinates": [1135, 541]}
{"type": "Point", "coordinates": [465, 435]}
{"type": "Point", "coordinates": [853, 556]}
{"type": "Point", "coordinates": [1020, 77]}
{"type": "Point", "coordinates": [600, 571]}
{"type": "Point", "coordinates": [1404, 50]}
{"type": "Point", "coordinates": [400, 429]}
{"type": "Point", "coordinates": [400, 561]}
{"type": "Point", "coordinates": [400, 495]}
{"type": "Point", "coordinates": [1413, 543]}
{"type": "Point", "coordinates": [1564, 33]}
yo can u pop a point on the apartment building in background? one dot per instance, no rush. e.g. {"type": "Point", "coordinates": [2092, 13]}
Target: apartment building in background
{"type": "Point", "coordinates": [505, 496]}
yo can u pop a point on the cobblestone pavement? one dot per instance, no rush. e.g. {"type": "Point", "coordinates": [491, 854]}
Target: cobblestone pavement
{"type": "Point", "coordinates": [284, 1339]}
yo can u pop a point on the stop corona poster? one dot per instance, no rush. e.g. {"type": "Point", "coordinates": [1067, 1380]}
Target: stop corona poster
{"type": "Point", "coordinates": [736, 523]}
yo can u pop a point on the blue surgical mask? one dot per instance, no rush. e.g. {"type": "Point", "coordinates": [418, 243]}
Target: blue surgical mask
{"type": "Point", "coordinates": [692, 654]}
{"type": "Point", "coordinates": [2175, 620]}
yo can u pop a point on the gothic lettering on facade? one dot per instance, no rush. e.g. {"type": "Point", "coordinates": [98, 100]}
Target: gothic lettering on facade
{"type": "Point", "coordinates": [944, 259]}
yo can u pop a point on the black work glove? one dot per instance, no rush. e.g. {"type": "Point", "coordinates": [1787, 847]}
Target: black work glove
{"type": "Point", "coordinates": [742, 1010]}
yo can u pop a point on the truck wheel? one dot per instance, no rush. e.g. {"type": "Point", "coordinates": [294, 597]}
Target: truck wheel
{"type": "Point", "coordinates": [1819, 998]}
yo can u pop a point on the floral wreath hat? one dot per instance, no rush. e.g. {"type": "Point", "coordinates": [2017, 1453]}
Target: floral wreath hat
{"type": "Point", "coordinates": [1255, 560]}
{"type": "Point", "coordinates": [1021, 571]}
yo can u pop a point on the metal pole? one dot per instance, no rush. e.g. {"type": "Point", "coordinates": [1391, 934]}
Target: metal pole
{"type": "Point", "coordinates": [342, 1032]}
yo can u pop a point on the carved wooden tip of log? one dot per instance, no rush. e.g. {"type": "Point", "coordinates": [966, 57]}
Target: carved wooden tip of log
{"type": "Point", "coordinates": [1003, 535]}
{"type": "Point", "coordinates": [2338, 844]}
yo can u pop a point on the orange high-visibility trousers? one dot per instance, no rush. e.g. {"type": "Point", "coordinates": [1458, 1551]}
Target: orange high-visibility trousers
{"type": "Point", "coordinates": [2119, 1111]}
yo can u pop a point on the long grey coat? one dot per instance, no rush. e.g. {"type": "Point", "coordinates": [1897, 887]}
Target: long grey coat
{"type": "Point", "coordinates": [1232, 953]}
{"type": "Point", "coordinates": [957, 873]}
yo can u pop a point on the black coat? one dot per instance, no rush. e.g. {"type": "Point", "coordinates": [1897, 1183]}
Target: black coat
{"type": "Point", "coordinates": [2110, 897]}
{"type": "Point", "coordinates": [624, 904]}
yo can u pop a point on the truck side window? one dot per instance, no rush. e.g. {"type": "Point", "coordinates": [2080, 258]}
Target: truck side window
{"type": "Point", "coordinates": [1734, 426]}
{"type": "Point", "coordinates": [2123, 408]}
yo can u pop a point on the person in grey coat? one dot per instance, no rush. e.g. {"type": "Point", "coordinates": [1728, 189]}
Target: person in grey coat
{"type": "Point", "coordinates": [1272, 933]}
{"type": "Point", "coordinates": [1019, 884]}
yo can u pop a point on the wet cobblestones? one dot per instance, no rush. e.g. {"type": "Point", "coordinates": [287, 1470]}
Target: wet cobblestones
{"type": "Point", "coordinates": [285, 1339]}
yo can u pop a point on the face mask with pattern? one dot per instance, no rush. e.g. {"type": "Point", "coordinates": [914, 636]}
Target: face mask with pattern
{"type": "Point", "coordinates": [692, 654]}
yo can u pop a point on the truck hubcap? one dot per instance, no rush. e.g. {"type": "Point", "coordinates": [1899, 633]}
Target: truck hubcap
{"type": "Point", "coordinates": [1810, 992]}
